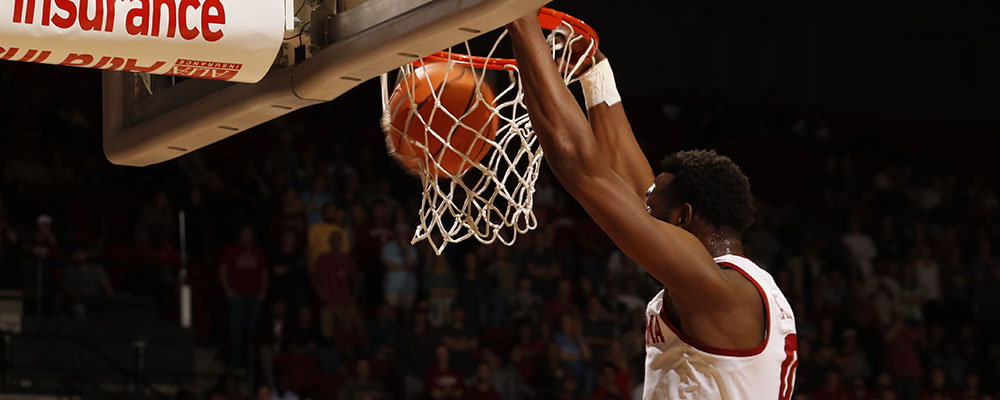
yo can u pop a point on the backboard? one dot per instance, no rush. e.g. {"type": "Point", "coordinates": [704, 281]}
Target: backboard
{"type": "Point", "coordinates": [336, 45]}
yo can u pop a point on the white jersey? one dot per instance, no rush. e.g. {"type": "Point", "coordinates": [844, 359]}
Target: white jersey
{"type": "Point", "coordinates": [678, 367]}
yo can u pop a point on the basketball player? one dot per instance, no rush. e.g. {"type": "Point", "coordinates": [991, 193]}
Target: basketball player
{"type": "Point", "coordinates": [720, 328]}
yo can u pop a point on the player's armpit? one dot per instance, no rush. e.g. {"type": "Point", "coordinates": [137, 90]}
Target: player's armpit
{"type": "Point", "coordinates": [670, 254]}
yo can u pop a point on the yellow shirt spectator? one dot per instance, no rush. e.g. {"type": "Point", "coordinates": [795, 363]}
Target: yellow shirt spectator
{"type": "Point", "coordinates": [319, 239]}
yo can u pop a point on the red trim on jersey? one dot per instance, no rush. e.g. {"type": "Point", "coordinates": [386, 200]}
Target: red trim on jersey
{"type": "Point", "coordinates": [726, 352]}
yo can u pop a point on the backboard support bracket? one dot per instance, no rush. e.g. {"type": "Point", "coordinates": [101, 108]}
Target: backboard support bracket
{"type": "Point", "coordinates": [354, 46]}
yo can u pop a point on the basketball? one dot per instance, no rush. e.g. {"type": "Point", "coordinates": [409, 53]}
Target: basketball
{"type": "Point", "coordinates": [415, 95]}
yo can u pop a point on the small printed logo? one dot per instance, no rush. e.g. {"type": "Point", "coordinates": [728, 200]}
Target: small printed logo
{"type": "Point", "coordinates": [785, 315]}
{"type": "Point", "coordinates": [205, 69]}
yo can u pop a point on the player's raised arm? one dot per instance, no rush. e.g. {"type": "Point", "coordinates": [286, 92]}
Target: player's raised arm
{"type": "Point", "coordinates": [611, 127]}
{"type": "Point", "coordinates": [669, 253]}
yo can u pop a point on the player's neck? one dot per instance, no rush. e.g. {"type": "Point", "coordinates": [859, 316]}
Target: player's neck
{"type": "Point", "coordinates": [720, 242]}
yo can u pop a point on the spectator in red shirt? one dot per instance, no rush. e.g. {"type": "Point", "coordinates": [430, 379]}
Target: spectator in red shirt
{"type": "Point", "coordinates": [832, 388]}
{"type": "Point", "coordinates": [442, 382]}
{"type": "Point", "coordinates": [561, 305]}
{"type": "Point", "coordinates": [607, 388]}
{"type": "Point", "coordinates": [371, 235]}
{"type": "Point", "coordinates": [243, 273]}
{"type": "Point", "coordinates": [335, 280]}
{"type": "Point", "coordinates": [902, 351]}
{"type": "Point", "coordinates": [937, 387]}
{"type": "Point", "coordinates": [482, 389]}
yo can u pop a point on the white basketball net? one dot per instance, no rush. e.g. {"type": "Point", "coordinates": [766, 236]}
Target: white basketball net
{"type": "Point", "coordinates": [492, 200]}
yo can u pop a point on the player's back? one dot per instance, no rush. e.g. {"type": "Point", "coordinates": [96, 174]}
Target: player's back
{"type": "Point", "coordinates": [678, 367]}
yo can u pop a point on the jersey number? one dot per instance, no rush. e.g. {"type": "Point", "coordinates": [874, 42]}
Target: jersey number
{"type": "Point", "coordinates": [788, 367]}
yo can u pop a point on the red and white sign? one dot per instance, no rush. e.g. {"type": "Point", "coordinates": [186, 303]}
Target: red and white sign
{"type": "Point", "coordinates": [232, 40]}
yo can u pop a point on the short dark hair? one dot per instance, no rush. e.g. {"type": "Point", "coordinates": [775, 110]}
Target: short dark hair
{"type": "Point", "coordinates": [716, 188]}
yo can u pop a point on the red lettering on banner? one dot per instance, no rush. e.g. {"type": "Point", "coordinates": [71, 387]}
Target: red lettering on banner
{"type": "Point", "coordinates": [46, 11]}
{"type": "Point", "coordinates": [142, 28]}
{"type": "Point", "coordinates": [109, 23]}
{"type": "Point", "coordinates": [19, 11]}
{"type": "Point", "coordinates": [78, 60]}
{"type": "Point", "coordinates": [171, 16]}
{"type": "Point", "coordinates": [88, 24]}
{"type": "Point", "coordinates": [205, 69]}
{"type": "Point", "coordinates": [8, 54]}
{"type": "Point", "coordinates": [105, 62]}
{"type": "Point", "coordinates": [186, 33]}
{"type": "Point", "coordinates": [42, 57]}
{"type": "Point", "coordinates": [143, 20]}
{"type": "Point", "coordinates": [131, 67]}
{"type": "Point", "coordinates": [70, 9]}
{"type": "Point", "coordinates": [27, 56]}
{"type": "Point", "coordinates": [11, 52]}
{"type": "Point", "coordinates": [116, 62]}
{"type": "Point", "coordinates": [208, 18]}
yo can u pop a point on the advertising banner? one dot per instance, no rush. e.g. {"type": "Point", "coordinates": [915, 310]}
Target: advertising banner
{"type": "Point", "coordinates": [231, 40]}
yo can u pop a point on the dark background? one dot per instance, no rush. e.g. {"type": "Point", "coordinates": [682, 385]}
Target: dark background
{"type": "Point", "coordinates": [820, 104]}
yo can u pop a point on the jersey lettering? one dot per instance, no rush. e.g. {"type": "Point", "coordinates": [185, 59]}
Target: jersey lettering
{"type": "Point", "coordinates": [653, 333]}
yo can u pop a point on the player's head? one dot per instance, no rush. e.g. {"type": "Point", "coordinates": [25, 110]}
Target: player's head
{"type": "Point", "coordinates": [703, 186]}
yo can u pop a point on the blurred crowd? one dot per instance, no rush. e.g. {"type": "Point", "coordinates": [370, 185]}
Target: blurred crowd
{"type": "Point", "coordinates": [296, 242]}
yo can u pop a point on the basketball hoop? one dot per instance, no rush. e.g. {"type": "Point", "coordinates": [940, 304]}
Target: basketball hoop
{"type": "Point", "coordinates": [491, 200]}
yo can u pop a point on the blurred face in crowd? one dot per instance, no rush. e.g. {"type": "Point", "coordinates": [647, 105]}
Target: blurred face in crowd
{"type": "Point", "coordinates": [524, 333]}
{"type": "Point", "coordinates": [457, 315]}
{"type": "Point", "coordinates": [860, 389]}
{"type": "Point", "coordinates": [483, 372]}
{"type": "Point", "coordinates": [195, 196]}
{"type": "Point", "coordinates": [161, 200]}
{"type": "Point", "coordinates": [386, 314]}
{"type": "Point", "coordinates": [288, 241]}
{"type": "Point", "coordinates": [593, 307]}
{"type": "Point", "coordinates": [305, 317]}
{"type": "Point", "coordinates": [972, 381]}
{"type": "Point", "coordinates": [565, 289]}
{"type": "Point", "coordinates": [470, 261]}
{"type": "Point", "coordinates": [490, 357]}
{"type": "Point", "coordinates": [264, 393]}
{"type": "Point", "coordinates": [45, 227]}
{"type": "Point", "coordinates": [364, 368]}
{"type": "Point", "coordinates": [441, 355]}
{"type": "Point", "coordinates": [291, 198]}
{"type": "Point", "coordinates": [358, 214]}
{"type": "Point", "coordinates": [279, 309]}
{"type": "Point", "coordinates": [516, 354]}
{"type": "Point", "coordinates": [607, 375]}
{"type": "Point", "coordinates": [403, 234]}
{"type": "Point", "coordinates": [524, 284]}
{"type": "Point", "coordinates": [569, 384]}
{"type": "Point", "coordinates": [380, 212]}
{"type": "Point", "coordinates": [440, 266]}
{"type": "Point", "coordinates": [331, 213]}
{"type": "Point", "coordinates": [246, 236]}
{"type": "Point", "coordinates": [832, 379]}
{"type": "Point", "coordinates": [79, 256]}
{"type": "Point", "coordinates": [568, 325]}
{"type": "Point", "coordinates": [937, 378]}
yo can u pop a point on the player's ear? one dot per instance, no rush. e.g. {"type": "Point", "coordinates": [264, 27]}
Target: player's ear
{"type": "Point", "coordinates": [685, 215]}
